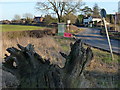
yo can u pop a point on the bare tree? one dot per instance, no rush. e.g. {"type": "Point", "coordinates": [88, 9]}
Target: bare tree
{"type": "Point", "coordinates": [28, 17]}
{"type": "Point", "coordinates": [17, 17]}
{"type": "Point", "coordinates": [60, 8]}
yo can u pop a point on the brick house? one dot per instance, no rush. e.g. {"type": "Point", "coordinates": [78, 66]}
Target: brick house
{"type": "Point", "coordinates": [38, 19]}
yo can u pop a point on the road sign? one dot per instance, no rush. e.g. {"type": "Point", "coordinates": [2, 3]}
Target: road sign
{"type": "Point", "coordinates": [68, 22]}
{"type": "Point", "coordinates": [103, 13]}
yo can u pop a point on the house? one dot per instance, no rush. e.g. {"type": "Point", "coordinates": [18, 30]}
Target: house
{"type": "Point", "coordinates": [5, 22]}
{"type": "Point", "coordinates": [90, 21]}
{"type": "Point", "coordinates": [38, 19]}
{"type": "Point", "coordinates": [87, 20]}
{"type": "Point", "coordinates": [0, 22]}
{"type": "Point", "coordinates": [23, 21]}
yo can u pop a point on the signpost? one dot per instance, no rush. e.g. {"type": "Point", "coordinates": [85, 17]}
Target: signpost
{"type": "Point", "coordinates": [103, 15]}
{"type": "Point", "coordinates": [68, 25]}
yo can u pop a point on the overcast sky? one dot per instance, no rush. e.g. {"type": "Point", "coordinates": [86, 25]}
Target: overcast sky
{"type": "Point", "coordinates": [8, 8]}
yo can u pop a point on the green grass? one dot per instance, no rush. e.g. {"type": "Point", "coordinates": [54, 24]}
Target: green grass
{"type": "Point", "coordinates": [6, 28]}
{"type": "Point", "coordinates": [105, 56]}
{"type": "Point", "coordinates": [98, 54]}
{"type": "Point", "coordinates": [64, 42]}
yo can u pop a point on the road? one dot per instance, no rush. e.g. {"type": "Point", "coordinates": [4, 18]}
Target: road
{"type": "Point", "coordinates": [93, 38]}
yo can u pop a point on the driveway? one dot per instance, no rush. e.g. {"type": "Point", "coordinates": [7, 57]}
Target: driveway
{"type": "Point", "coordinates": [93, 38]}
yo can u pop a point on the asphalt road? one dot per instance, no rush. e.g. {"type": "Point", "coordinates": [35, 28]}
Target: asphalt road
{"type": "Point", "coordinates": [93, 38]}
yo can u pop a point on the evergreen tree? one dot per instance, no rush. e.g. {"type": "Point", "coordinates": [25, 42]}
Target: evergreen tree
{"type": "Point", "coordinates": [87, 11]}
{"type": "Point", "coordinates": [96, 10]}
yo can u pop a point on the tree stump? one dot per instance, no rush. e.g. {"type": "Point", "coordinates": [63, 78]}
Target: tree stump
{"type": "Point", "coordinates": [33, 71]}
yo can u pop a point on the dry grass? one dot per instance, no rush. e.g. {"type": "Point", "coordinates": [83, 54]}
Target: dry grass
{"type": "Point", "coordinates": [49, 47]}
{"type": "Point", "coordinates": [46, 46]}
{"type": "Point", "coordinates": [98, 65]}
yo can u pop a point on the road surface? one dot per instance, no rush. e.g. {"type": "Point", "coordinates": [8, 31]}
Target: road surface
{"type": "Point", "coordinates": [93, 38]}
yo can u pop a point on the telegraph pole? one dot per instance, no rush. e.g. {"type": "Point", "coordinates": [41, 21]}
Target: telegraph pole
{"type": "Point", "coordinates": [115, 20]}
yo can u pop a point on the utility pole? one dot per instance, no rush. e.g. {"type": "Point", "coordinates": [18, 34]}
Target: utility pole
{"type": "Point", "coordinates": [103, 15]}
{"type": "Point", "coordinates": [115, 20]}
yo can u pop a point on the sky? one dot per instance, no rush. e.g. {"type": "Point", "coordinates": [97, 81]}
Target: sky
{"type": "Point", "coordinates": [9, 8]}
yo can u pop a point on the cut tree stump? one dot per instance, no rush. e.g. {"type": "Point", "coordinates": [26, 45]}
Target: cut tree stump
{"type": "Point", "coordinates": [33, 71]}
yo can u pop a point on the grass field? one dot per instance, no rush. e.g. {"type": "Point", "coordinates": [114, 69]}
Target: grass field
{"type": "Point", "coordinates": [6, 28]}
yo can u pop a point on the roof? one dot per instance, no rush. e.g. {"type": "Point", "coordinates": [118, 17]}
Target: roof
{"type": "Point", "coordinates": [38, 17]}
{"type": "Point", "coordinates": [92, 17]}
{"type": "Point", "coordinates": [86, 17]}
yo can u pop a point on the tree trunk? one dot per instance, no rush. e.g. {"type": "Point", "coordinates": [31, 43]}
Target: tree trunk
{"type": "Point", "coordinates": [59, 18]}
{"type": "Point", "coordinates": [34, 72]}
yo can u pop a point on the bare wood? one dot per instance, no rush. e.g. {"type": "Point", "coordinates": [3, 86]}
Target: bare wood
{"type": "Point", "coordinates": [34, 72]}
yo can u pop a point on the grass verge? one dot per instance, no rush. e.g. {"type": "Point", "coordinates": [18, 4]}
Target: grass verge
{"type": "Point", "coordinates": [6, 28]}
{"type": "Point", "coordinates": [98, 54]}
